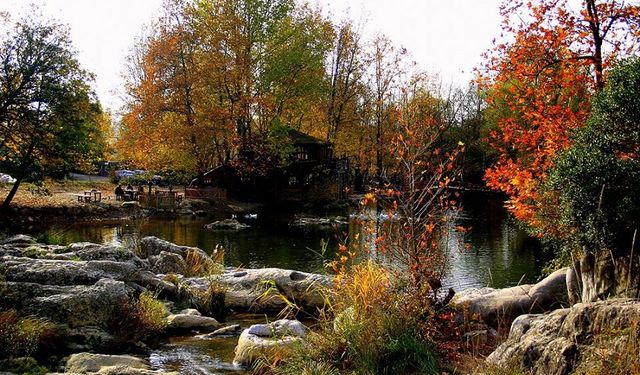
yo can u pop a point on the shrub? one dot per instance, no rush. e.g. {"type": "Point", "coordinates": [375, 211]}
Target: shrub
{"type": "Point", "coordinates": [371, 332]}
{"type": "Point", "coordinates": [52, 237]}
{"type": "Point", "coordinates": [22, 336]}
{"type": "Point", "coordinates": [139, 318]}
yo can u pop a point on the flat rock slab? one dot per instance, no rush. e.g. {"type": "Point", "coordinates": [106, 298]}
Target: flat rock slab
{"type": "Point", "coordinates": [83, 363]}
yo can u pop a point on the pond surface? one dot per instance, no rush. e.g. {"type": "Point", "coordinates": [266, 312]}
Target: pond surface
{"type": "Point", "coordinates": [493, 252]}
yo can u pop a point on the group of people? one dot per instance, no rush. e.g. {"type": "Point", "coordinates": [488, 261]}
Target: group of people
{"type": "Point", "coordinates": [128, 192]}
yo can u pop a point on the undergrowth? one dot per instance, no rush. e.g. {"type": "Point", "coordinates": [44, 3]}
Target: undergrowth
{"type": "Point", "coordinates": [365, 331]}
{"type": "Point", "coordinates": [22, 336]}
{"type": "Point", "coordinates": [139, 318]}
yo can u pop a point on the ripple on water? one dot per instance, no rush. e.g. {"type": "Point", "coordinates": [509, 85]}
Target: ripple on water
{"type": "Point", "coordinates": [195, 355]}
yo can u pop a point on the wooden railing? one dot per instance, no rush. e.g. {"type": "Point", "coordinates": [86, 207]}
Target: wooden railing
{"type": "Point", "coordinates": [205, 193]}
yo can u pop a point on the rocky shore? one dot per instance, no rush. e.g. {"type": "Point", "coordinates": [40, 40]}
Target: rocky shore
{"type": "Point", "coordinates": [81, 289]}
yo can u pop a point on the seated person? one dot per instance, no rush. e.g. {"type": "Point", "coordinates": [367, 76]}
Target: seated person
{"type": "Point", "coordinates": [119, 192]}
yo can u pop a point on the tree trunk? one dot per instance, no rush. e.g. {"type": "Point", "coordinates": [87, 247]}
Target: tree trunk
{"type": "Point", "coordinates": [12, 193]}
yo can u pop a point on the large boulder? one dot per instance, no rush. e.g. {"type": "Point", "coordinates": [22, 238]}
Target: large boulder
{"type": "Point", "coordinates": [494, 306]}
{"type": "Point", "coordinates": [268, 341]}
{"type": "Point", "coordinates": [245, 289]}
{"type": "Point", "coordinates": [154, 246]}
{"type": "Point", "coordinates": [75, 306]}
{"type": "Point", "coordinates": [551, 344]}
{"type": "Point", "coordinates": [72, 272]}
{"type": "Point", "coordinates": [196, 261]}
{"type": "Point", "coordinates": [82, 363]}
{"type": "Point", "coordinates": [166, 262]}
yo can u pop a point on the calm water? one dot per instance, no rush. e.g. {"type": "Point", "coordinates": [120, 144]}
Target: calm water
{"type": "Point", "coordinates": [493, 253]}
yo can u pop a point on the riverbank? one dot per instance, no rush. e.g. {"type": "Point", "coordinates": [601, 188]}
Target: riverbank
{"type": "Point", "coordinates": [36, 207]}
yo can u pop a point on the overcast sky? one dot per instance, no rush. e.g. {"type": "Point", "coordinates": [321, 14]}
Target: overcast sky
{"type": "Point", "coordinates": [443, 36]}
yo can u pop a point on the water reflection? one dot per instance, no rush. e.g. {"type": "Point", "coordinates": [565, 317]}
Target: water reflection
{"type": "Point", "coordinates": [495, 252]}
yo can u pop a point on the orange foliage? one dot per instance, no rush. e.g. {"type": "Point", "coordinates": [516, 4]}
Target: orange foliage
{"type": "Point", "coordinates": [539, 82]}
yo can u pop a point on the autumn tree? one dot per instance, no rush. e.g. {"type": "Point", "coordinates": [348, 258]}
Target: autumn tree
{"type": "Point", "coordinates": [49, 117]}
{"type": "Point", "coordinates": [219, 76]}
{"type": "Point", "coordinates": [539, 81]}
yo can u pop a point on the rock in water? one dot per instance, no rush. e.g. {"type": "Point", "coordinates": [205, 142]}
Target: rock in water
{"type": "Point", "coordinates": [268, 341]}
{"type": "Point", "coordinates": [189, 321]}
{"type": "Point", "coordinates": [227, 224]}
{"type": "Point", "coordinates": [232, 330]}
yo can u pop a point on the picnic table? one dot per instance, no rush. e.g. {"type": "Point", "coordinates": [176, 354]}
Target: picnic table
{"type": "Point", "coordinates": [94, 195]}
{"type": "Point", "coordinates": [82, 197]}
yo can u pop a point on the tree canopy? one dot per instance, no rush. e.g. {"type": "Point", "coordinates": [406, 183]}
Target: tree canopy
{"type": "Point", "coordinates": [50, 120]}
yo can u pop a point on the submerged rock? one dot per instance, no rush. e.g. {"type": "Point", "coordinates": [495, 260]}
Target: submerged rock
{"type": "Point", "coordinates": [494, 306]}
{"type": "Point", "coordinates": [267, 341]}
{"type": "Point", "coordinates": [227, 224]}
{"type": "Point", "coordinates": [551, 344]}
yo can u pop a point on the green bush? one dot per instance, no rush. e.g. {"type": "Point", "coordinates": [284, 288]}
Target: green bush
{"type": "Point", "coordinates": [597, 178]}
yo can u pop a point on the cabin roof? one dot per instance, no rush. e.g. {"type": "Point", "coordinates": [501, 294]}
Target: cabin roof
{"type": "Point", "coordinates": [300, 138]}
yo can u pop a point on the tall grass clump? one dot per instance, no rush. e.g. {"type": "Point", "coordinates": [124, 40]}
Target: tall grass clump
{"type": "Point", "coordinates": [365, 331]}
{"type": "Point", "coordinates": [614, 352]}
{"type": "Point", "coordinates": [22, 336]}
{"type": "Point", "coordinates": [52, 237]}
{"type": "Point", "coordinates": [140, 318]}
{"type": "Point", "coordinates": [199, 265]}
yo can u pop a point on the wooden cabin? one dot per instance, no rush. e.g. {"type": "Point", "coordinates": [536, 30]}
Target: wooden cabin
{"type": "Point", "coordinates": [312, 175]}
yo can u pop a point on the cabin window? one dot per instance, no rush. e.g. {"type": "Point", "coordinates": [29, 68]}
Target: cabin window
{"type": "Point", "coordinates": [302, 153]}
{"type": "Point", "coordinates": [207, 180]}
{"type": "Point", "coordinates": [293, 181]}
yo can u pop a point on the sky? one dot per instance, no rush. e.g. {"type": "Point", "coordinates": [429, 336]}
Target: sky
{"type": "Point", "coordinates": [444, 37]}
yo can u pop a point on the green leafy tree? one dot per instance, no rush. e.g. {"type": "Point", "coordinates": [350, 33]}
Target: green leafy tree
{"type": "Point", "coordinates": [49, 118]}
{"type": "Point", "coordinates": [597, 178]}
